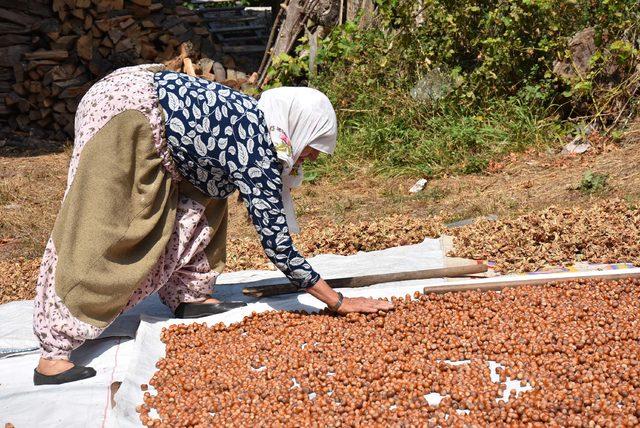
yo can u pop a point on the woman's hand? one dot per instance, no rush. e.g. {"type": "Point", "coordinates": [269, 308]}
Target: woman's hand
{"type": "Point", "coordinates": [363, 305]}
{"type": "Point", "coordinates": [323, 292]}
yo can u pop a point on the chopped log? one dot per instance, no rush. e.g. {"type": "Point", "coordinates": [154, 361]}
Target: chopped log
{"type": "Point", "coordinates": [74, 82]}
{"type": "Point", "coordinates": [115, 35]}
{"type": "Point", "coordinates": [127, 23]}
{"type": "Point", "coordinates": [176, 63]}
{"type": "Point", "coordinates": [72, 105]}
{"type": "Point", "coordinates": [187, 67]}
{"type": "Point", "coordinates": [14, 39]}
{"type": "Point", "coordinates": [206, 65]}
{"type": "Point", "coordinates": [54, 55]}
{"type": "Point", "coordinates": [88, 22]}
{"type": "Point", "coordinates": [41, 63]}
{"type": "Point", "coordinates": [23, 122]}
{"type": "Point", "coordinates": [10, 28]}
{"type": "Point", "coordinates": [12, 55]}
{"type": "Point", "coordinates": [106, 42]}
{"type": "Point", "coordinates": [123, 45]}
{"type": "Point", "coordinates": [17, 17]}
{"type": "Point", "coordinates": [34, 75]}
{"type": "Point", "coordinates": [74, 91]}
{"type": "Point", "coordinates": [84, 47]}
{"type": "Point", "coordinates": [103, 25]}
{"type": "Point", "coordinates": [46, 112]}
{"type": "Point", "coordinates": [104, 51]}
{"type": "Point", "coordinates": [95, 32]}
{"type": "Point", "coordinates": [219, 72]}
{"type": "Point", "coordinates": [100, 66]}
{"type": "Point", "coordinates": [64, 42]}
{"type": "Point", "coordinates": [12, 99]}
{"type": "Point", "coordinates": [78, 13]}
{"type": "Point", "coordinates": [18, 72]}
{"type": "Point", "coordinates": [209, 76]}
{"type": "Point", "coordinates": [34, 115]}
{"type": "Point", "coordinates": [60, 107]}
{"type": "Point", "coordinates": [34, 86]}
{"type": "Point", "coordinates": [147, 51]}
{"type": "Point", "coordinates": [19, 89]}
{"type": "Point", "coordinates": [145, 3]}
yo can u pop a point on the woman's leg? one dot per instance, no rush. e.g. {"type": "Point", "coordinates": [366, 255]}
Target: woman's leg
{"type": "Point", "coordinates": [191, 283]}
{"type": "Point", "coordinates": [116, 217]}
{"type": "Point", "coordinates": [57, 330]}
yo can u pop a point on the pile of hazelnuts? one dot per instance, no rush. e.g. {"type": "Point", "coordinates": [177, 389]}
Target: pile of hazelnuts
{"type": "Point", "coordinates": [576, 345]}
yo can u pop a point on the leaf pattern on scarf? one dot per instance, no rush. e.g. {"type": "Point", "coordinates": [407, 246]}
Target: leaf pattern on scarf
{"type": "Point", "coordinates": [238, 155]}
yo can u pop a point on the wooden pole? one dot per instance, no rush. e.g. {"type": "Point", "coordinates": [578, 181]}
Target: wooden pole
{"type": "Point", "coordinates": [500, 283]}
{"type": "Point", "coordinates": [366, 280]}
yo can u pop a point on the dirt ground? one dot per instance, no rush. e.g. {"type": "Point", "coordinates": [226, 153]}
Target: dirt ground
{"type": "Point", "coordinates": [32, 184]}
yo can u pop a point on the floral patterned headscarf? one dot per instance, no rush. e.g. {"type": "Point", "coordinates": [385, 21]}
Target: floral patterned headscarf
{"type": "Point", "coordinates": [297, 117]}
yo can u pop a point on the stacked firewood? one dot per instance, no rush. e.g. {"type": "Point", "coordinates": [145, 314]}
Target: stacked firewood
{"type": "Point", "coordinates": [221, 72]}
{"type": "Point", "coordinates": [51, 51]}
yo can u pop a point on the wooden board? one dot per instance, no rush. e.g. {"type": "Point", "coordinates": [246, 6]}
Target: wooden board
{"type": "Point", "coordinates": [508, 281]}
{"type": "Point", "coordinates": [286, 287]}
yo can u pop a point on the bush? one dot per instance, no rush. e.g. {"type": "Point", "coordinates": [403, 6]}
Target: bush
{"type": "Point", "coordinates": [445, 86]}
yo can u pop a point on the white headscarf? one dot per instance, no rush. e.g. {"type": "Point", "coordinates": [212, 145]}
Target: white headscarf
{"type": "Point", "coordinates": [307, 117]}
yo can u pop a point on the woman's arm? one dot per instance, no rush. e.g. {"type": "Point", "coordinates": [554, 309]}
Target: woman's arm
{"type": "Point", "coordinates": [260, 189]}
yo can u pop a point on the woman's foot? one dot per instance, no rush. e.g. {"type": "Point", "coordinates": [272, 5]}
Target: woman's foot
{"type": "Point", "coordinates": [53, 367]}
{"type": "Point", "coordinates": [55, 372]}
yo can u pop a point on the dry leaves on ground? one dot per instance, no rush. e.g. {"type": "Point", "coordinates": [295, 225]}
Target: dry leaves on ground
{"type": "Point", "coordinates": [606, 232]}
{"type": "Point", "coordinates": [317, 237]}
{"type": "Point", "coordinates": [18, 279]}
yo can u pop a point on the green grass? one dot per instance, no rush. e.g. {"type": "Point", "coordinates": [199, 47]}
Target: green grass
{"type": "Point", "coordinates": [593, 182]}
{"type": "Point", "coordinates": [412, 138]}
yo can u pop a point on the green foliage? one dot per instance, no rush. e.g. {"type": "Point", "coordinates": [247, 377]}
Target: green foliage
{"type": "Point", "coordinates": [287, 69]}
{"type": "Point", "coordinates": [400, 135]}
{"type": "Point", "coordinates": [593, 182]}
{"type": "Point", "coordinates": [442, 86]}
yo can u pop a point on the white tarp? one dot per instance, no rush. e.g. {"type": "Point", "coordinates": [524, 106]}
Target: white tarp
{"type": "Point", "coordinates": [86, 403]}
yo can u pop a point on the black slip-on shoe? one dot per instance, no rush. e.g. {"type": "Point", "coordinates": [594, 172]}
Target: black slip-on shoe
{"type": "Point", "coordinates": [197, 310]}
{"type": "Point", "coordinates": [73, 374]}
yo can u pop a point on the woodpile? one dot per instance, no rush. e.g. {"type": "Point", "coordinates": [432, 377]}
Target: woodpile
{"type": "Point", "coordinates": [206, 68]}
{"type": "Point", "coordinates": [51, 51]}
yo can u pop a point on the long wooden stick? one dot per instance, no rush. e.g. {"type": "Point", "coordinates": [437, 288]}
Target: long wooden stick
{"type": "Point", "coordinates": [500, 283]}
{"type": "Point", "coordinates": [363, 281]}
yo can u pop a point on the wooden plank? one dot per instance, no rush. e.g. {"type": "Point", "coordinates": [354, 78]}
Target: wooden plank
{"type": "Point", "coordinates": [509, 281]}
{"type": "Point", "coordinates": [17, 17]}
{"type": "Point", "coordinates": [244, 49]}
{"type": "Point", "coordinates": [9, 28]}
{"type": "Point", "coordinates": [14, 39]}
{"type": "Point", "coordinates": [362, 281]}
